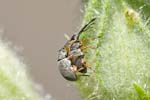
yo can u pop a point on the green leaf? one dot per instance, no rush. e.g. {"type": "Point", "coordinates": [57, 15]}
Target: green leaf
{"type": "Point", "coordinates": [141, 93]}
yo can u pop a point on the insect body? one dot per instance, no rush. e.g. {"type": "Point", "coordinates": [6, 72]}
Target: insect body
{"type": "Point", "coordinates": [71, 58]}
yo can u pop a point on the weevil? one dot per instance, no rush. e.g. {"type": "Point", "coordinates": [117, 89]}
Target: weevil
{"type": "Point", "coordinates": [71, 58]}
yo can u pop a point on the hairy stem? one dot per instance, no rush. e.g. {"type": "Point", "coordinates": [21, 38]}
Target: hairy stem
{"type": "Point", "coordinates": [121, 61]}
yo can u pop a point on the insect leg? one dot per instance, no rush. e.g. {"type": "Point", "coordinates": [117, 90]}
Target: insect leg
{"type": "Point", "coordinates": [74, 68]}
{"type": "Point", "coordinates": [67, 46]}
{"type": "Point", "coordinates": [88, 39]}
{"type": "Point", "coordinates": [83, 48]}
{"type": "Point", "coordinates": [87, 65]}
{"type": "Point", "coordinates": [80, 69]}
{"type": "Point", "coordinates": [83, 43]}
{"type": "Point", "coordinates": [71, 56]}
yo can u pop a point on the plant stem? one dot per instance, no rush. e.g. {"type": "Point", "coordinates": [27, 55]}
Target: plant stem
{"type": "Point", "coordinates": [122, 55]}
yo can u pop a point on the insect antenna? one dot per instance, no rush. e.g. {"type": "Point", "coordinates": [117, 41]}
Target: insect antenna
{"type": "Point", "coordinates": [76, 36]}
{"type": "Point", "coordinates": [86, 26]}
